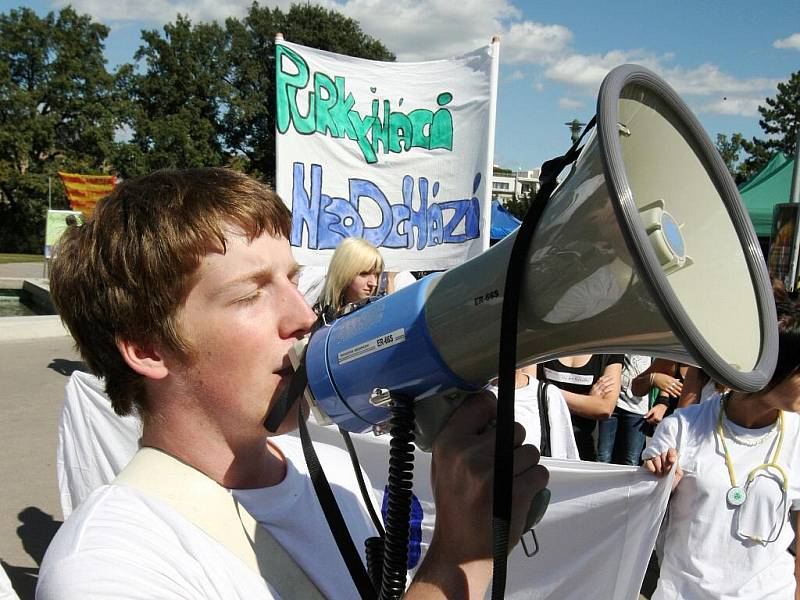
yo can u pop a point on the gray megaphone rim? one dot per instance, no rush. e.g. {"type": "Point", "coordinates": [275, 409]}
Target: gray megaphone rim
{"type": "Point", "coordinates": [642, 251]}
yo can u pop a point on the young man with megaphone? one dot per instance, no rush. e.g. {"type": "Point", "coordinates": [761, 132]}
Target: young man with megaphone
{"type": "Point", "coordinates": [181, 292]}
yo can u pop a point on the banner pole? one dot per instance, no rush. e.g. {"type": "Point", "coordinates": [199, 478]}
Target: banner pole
{"type": "Point", "coordinates": [278, 40]}
{"type": "Point", "coordinates": [486, 218]}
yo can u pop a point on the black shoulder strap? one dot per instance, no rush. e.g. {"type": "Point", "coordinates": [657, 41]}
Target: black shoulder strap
{"type": "Point", "coordinates": [544, 419]}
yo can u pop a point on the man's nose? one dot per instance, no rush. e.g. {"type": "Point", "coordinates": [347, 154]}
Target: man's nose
{"type": "Point", "coordinates": [299, 316]}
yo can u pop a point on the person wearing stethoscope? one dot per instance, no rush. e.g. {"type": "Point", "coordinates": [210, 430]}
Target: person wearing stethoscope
{"type": "Point", "coordinates": [737, 477]}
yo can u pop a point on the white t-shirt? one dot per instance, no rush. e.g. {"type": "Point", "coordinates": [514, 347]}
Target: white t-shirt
{"type": "Point", "coordinates": [403, 279]}
{"type": "Point", "coordinates": [120, 543]}
{"type": "Point", "coordinates": [702, 556]}
{"type": "Point", "coordinates": [526, 412]}
{"type": "Point", "coordinates": [634, 366]}
{"type": "Point", "coordinates": [311, 282]}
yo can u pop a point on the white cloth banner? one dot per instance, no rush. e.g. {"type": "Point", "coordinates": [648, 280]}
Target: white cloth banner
{"type": "Point", "coordinates": [596, 537]}
{"type": "Point", "coordinates": [94, 443]}
{"type": "Point", "coordinates": [397, 153]}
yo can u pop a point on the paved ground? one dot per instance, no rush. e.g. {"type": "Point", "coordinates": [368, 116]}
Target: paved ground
{"type": "Point", "coordinates": [33, 374]}
{"type": "Point", "coordinates": [25, 270]}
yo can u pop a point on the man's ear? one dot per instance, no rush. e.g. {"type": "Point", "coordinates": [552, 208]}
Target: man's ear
{"type": "Point", "coordinates": [146, 360]}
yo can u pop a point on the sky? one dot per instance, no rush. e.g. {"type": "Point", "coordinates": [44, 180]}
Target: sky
{"type": "Point", "coordinates": [723, 58]}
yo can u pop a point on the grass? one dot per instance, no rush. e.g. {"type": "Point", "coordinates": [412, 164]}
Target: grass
{"type": "Point", "coordinates": [20, 258]}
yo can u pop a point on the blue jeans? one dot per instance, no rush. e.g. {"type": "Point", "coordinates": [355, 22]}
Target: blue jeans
{"type": "Point", "coordinates": [620, 439]}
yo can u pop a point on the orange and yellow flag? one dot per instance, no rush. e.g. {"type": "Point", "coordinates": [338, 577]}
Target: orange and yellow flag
{"type": "Point", "coordinates": [84, 191]}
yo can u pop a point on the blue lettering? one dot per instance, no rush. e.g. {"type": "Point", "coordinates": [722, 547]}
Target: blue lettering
{"type": "Point", "coordinates": [325, 220]}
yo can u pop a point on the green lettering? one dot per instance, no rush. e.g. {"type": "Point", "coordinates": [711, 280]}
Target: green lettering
{"type": "Point", "coordinates": [400, 132]}
{"type": "Point", "coordinates": [288, 85]}
{"type": "Point", "coordinates": [325, 122]}
{"type": "Point", "coordinates": [380, 128]}
{"type": "Point", "coordinates": [361, 127]}
{"type": "Point", "coordinates": [340, 111]}
{"type": "Point", "coordinates": [442, 126]}
{"type": "Point", "coordinates": [421, 120]}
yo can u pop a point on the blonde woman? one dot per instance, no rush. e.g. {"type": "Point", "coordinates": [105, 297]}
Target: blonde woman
{"type": "Point", "coordinates": [353, 275]}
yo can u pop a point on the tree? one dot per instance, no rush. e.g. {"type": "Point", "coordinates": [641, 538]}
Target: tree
{"type": "Point", "coordinates": [206, 93]}
{"type": "Point", "coordinates": [57, 112]}
{"type": "Point", "coordinates": [518, 205]}
{"type": "Point", "coordinates": [780, 122]}
{"type": "Point", "coordinates": [730, 149]}
{"type": "Point", "coordinates": [250, 118]}
{"type": "Point", "coordinates": [175, 105]}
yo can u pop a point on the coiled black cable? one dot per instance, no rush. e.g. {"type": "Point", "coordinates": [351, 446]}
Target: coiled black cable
{"type": "Point", "coordinates": [398, 513]}
{"type": "Point", "coordinates": [374, 552]}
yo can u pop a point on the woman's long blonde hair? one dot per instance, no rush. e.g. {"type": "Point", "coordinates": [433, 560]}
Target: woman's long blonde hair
{"type": "Point", "coordinates": [352, 256]}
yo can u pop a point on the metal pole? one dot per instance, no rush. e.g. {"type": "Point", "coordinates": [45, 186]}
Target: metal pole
{"type": "Point", "coordinates": [794, 197]}
{"type": "Point", "coordinates": [795, 194]}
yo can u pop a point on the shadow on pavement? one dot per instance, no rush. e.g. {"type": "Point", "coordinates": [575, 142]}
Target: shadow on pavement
{"type": "Point", "coordinates": [36, 532]}
{"type": "Point", "coordinates": [65, 367]}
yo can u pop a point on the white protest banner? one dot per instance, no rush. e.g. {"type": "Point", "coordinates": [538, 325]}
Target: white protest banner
{"type": "Point", "coordinates": [595, 539]}
{"type": "Point", "coordinates": [397, 153]}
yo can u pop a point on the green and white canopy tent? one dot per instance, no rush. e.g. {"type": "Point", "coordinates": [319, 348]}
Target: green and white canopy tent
{"type": "Point", "coordinates": [771, 186]}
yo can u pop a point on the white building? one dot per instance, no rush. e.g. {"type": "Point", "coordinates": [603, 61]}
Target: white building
{"type": "Point", "coordinates": [503, 187]}
{"type": "Point", "coordinates": [522, 184]}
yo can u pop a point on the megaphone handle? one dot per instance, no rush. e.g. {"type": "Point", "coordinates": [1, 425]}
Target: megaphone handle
{"type": "Point", "coordinates": [536, 511]}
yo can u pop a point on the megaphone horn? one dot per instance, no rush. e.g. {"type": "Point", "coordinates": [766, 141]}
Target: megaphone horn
{"type": "Point", "coordinates": [644, 247]}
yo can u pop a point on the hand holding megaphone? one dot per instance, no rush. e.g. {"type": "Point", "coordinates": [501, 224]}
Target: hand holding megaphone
{"type": "Point", "coordinates": [462, 473]}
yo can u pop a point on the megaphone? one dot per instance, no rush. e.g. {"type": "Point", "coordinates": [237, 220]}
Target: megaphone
{"type": "Point", "coordinates": [644, 247]}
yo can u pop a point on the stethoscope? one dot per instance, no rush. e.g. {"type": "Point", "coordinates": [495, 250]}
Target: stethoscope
{"type": "Point", "coordinates": [737, 495]}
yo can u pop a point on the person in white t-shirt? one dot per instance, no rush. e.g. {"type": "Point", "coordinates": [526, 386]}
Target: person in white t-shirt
{"type": "Point", "coordinates": [526, 412]}
{"type": "Point", "coordinates": [737, 460]}
{"type": "Point", "coordinates": [181, 292]}
{"type": "Point", "coordinates": [621, 438]}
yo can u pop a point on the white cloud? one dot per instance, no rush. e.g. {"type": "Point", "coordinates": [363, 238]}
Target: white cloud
{"type": "Point", "coordinates": [429, 29]}
{"type": "Point", "coordinates": [716, 92]}
{"type": "Point", "coordinates": [739, 106]}
{"type": "Point", "coordinates": [708, 79]}
{"type": "Point", "coordinates": [588, 70]}
{"type": "Point", "coordinates": [570, 103]}
{"type": "Point", "coordinates": [792, 42]}
{"type": "Point", "coordinates": [530, 42]}
{"type": "Point", "coordinates": [162, 11]}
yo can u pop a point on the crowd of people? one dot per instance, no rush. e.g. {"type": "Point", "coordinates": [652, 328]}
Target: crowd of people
{"type": "Point", "coordinates": [182, 293]}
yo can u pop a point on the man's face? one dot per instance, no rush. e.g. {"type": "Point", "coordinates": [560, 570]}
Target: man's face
{"type": "Point", "coordinates": [240, 319]}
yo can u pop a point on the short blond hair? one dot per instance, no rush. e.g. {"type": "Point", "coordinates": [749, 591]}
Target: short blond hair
{"type": "Point", "coordinates": [124, 274]}
{"type": "Point", "coordinates": [352, 256]}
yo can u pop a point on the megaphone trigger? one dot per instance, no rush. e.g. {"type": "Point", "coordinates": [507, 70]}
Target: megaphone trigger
{"type": "Point", "coordinates": [536, 511]}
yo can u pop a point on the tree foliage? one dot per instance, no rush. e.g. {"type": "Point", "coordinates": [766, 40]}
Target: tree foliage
{"type": "Point", "coordinates": [250, 120]}
{"type": "Point", "coordinates": [175, 102]}
{"type": "Point", "coordinates": [780, 121]}
{"type": "Point", "coordinates": [57, 112]}
{"type": "Point", "coordinates": [518, 205]}
{"type": "Point", "coordinates": [730, 149]}
{"type": "Point", "coordinates": [195, 95]}
{"type": "Point", "coordinates": [205, 94]}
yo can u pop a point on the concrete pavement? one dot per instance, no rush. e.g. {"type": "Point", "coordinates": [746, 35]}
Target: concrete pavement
{"type": "Point", "coordinates": [33, 374]}
{"type": "Point", "coordinates": [22, 270]}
